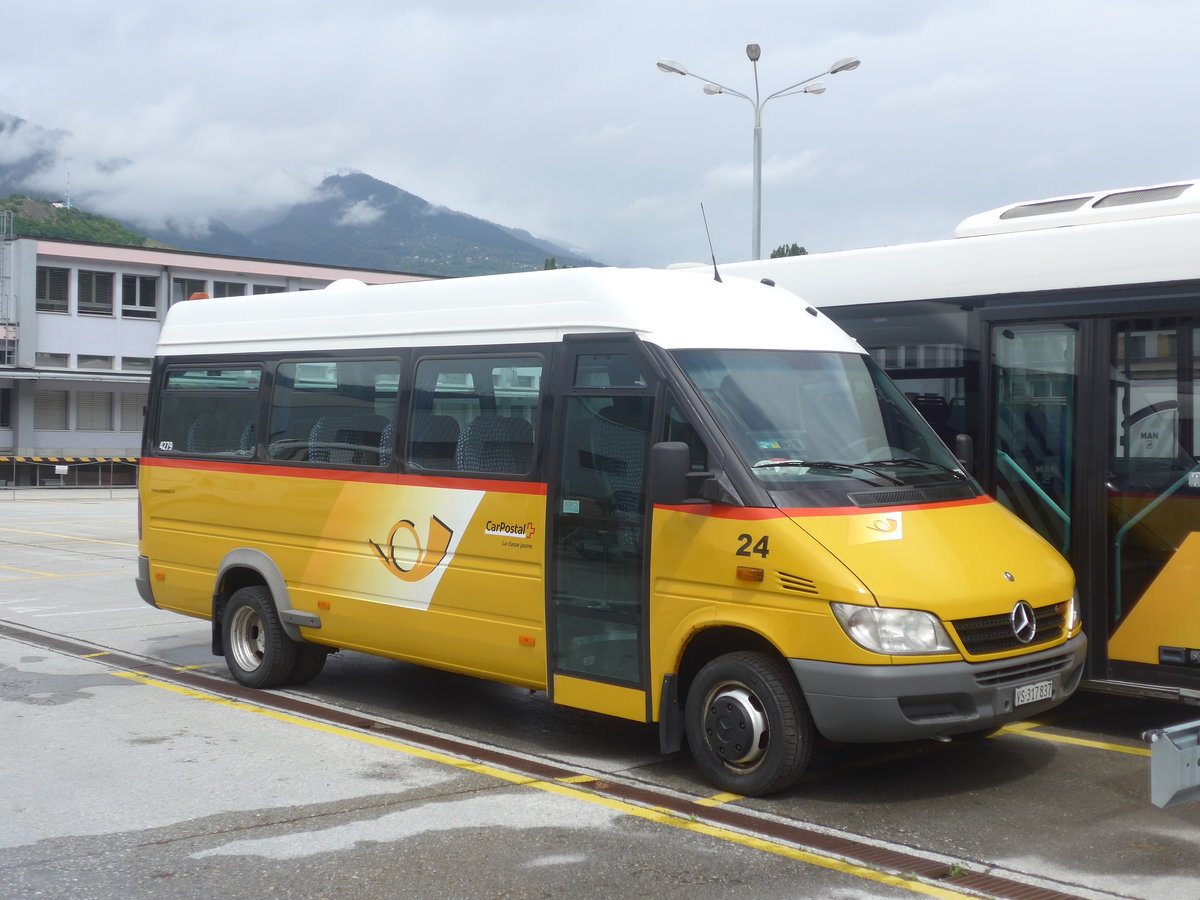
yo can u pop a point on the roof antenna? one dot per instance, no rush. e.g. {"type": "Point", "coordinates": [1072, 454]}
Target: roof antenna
{"type": "Point", "coordinates": [716, 274]}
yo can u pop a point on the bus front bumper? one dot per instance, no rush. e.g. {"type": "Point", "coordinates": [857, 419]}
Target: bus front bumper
{"type": "Point", "coordinates": [866, 704]}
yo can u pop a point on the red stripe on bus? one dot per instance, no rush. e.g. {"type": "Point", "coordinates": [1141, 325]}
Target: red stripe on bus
{"type": "Point", "coordinates": [451, 482]}
{"type": "Point", "coordinates": [802, 512]}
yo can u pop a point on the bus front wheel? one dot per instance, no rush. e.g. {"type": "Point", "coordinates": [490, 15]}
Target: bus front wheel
{"type": "Point", "coordinates": [748, 726]}
{"type": "Point", "coordinates": [258, 652]}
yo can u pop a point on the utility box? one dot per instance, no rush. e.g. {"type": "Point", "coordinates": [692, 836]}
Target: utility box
{"type": "Point", "coordinates": [1174, 764]}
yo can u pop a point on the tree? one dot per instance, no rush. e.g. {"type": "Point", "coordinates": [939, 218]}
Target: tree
{"type": "Point", "coordinates": [788, 250]}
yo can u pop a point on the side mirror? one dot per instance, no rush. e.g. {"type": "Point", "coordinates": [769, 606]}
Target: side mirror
{"type": "Point", "coordinates": [670, 463]}
{"type": "Point", "coordinates": [964, 451]}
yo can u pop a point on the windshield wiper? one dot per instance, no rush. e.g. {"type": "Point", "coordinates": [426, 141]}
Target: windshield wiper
{"type": "Point", "coordinates": [825, 464]}
{"type": "Point", "coordinates": [915, 463]}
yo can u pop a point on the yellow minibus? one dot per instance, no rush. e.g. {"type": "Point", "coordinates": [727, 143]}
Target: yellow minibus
{"type": "Point", "coordinates": [649, 494]}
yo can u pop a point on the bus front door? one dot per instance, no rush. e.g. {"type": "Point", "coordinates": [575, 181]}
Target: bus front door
{"type": "Point", "coordinates": [597, 585]}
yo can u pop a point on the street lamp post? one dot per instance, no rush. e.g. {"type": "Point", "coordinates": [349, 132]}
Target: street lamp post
{"type": "Point", "coordinates": [807, 86]}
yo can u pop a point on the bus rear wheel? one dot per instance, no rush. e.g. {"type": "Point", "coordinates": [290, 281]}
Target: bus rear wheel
{"type": "Point", "coordinates": [748, 726]}
{"type": "Point", "coordinates": [257, 650]}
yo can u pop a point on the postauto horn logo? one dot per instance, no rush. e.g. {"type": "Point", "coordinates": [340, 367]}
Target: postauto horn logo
{"type": "Point", "coordinates": [414, 560]}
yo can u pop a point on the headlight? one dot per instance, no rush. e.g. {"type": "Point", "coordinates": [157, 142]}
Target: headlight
{"type": "Point", "coordinates": [1071, 615]}
{"type": "Point", "coordinates": [893, 631]}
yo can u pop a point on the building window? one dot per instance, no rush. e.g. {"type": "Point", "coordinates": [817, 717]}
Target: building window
{"type": "Point", "coordinates": [229, 289]}
{"type": "Point", "coordinates": [51, 360]}
{"type": "Point", "coordinates": [50, 410]}
{"type": "Point", "coordinates": [51, 291]}
{"type": "Point", "coordinates": [92, 361]}
{"type": "Point", "coordinates": [5, 407]}
{"type": "Point", "coordinates": [139, 297]}
{"type": "Point", "coordinates": [268, 289]}
{"type": "Point", "coordinates": [183, 288]}
{"type": "Point", "coordinates": [95, 296]}
{"type": "Point", "coordinates": [137, 363]}
{"type": "Point", "coordinates": [133, 412]}
{"type": "Point", "coordinates": [93, 411]}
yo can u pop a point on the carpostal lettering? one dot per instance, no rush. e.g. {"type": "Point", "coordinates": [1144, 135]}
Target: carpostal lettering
{"type": "Point", "coordinates": [504, 529]}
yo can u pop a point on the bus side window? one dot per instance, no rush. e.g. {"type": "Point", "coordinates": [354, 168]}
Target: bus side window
{"type": "Point", "coordinates": [475, 415]}
{"type": "Point", "coordinates": [336, 412]}
{"type": "Point", "coordinates": [209, 412]}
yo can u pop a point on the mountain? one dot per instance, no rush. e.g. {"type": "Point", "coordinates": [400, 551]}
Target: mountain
{"type": "Point", "coordinates": [37, 218]}
{"type": "Point", "coordinates": [351, 220]}
{"type": "Point", "coordinates": [357, 220]}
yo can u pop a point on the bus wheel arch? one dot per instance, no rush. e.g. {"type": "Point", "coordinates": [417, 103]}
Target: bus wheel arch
{"type": "Point", "coordinates": [261, 648]}
{"type": "Point", "coordinates": [246, 568]}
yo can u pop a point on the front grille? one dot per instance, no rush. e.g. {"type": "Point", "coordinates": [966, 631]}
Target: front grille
{"type": "Point", "coordinates": [1021, 671]}
{"type": "Point", "coordinates": [933, 493]}
{"type": "Point", "coordinates": [796, 583]}
{"type": "Point", "coordinates": [994, 634]}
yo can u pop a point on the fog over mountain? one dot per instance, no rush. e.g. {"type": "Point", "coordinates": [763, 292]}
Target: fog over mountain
{"type": "Point", "coordinates": [348, 219]}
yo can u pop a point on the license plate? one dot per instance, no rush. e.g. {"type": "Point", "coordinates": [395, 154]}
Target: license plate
{"type": "Point", "coordinates": [1033, 693]}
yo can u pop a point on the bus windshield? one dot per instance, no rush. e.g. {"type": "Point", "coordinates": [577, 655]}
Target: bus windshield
{"type": "Point", "coordinates": [827, 425]}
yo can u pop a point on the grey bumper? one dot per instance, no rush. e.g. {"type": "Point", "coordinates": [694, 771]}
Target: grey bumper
{"type": "Point", "coordinates": [899, 703]}
{"type": "Point", "coordinates": [143, 581]}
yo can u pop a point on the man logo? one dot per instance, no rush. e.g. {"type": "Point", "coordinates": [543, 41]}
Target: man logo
{"type": "Point", "coordinates": [1023, 621]}
{"type": "Point", "coordinates": [423, 559]}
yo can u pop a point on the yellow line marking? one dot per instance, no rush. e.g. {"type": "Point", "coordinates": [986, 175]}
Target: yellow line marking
{"type": "Point", "coordinates": [577, 779]}
{"type": "Point", "coordinates": [36, 575]}
{"type": "Point", "coordinates": [27, 572]}
{"type": "Point", "coordinates": [69, 537]}
{"type": "Point", "coordinates": [94, 655]}
{"type": "Point", "coordinates": [1029, 730]}
{"type": "Point", "coordinates": [718, 799]}
{"type": "Point", "coordinates": [659, 816]}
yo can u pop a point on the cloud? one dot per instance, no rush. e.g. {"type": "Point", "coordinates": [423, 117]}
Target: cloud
{"type": "Point", "coordinates": [359, 214]}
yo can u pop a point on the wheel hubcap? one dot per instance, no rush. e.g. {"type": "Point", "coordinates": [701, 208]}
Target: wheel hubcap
{"type": "Point", "coordinates": [246, 636]}
{"type": "Point", "coordinates": [736, 726]}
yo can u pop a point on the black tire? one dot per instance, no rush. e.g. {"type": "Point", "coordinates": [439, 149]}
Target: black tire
{"type": "Point", "coordinates": [310, 660]}
{"type": "Point", "coordinates": [258, 652]}
{"type": "Point", "coordinates": [748, 726]}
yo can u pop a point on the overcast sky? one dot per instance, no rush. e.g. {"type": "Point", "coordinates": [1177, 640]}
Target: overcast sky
{"type": "Point", "coordinates": [551, 116]}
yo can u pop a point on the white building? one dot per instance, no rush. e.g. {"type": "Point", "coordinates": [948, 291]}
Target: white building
{"type": "Point", "coordinates": [78, 326]}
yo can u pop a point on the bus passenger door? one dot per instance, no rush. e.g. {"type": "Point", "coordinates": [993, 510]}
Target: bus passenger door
{"type": "Point", "coordinates": [1154, 500]}
{"type": "Point", "coordinates": [597, 613]}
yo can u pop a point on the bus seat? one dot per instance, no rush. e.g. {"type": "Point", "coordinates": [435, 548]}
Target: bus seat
{"type": "Point", "coordinates": [248, 441]}
{"type": "Point", "coordinates": [346, 439]}
{"type": "Point", "coordinates": [213, 433]}
{"type": "Point", "coordinates": [385, 444]}
{"type": "Point", "coordinates": [498, 444]}
{"type": "Point", "coordinates": [620, 441]}
{"type": "Point", "coordinates": [434, 441]}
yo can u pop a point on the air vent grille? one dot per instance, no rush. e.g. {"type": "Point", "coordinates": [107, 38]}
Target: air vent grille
{"type": "Point", "coordinates": [798, 584]}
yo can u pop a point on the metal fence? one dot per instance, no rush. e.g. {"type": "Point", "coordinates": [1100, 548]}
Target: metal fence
{"type": "Point", "coordinates": [68, 471]}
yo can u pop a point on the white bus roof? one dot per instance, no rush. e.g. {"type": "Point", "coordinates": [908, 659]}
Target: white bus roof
{"type": "Point", "coordinates": [674, 310]}
{"type": "Point", "coordinates": [1143, 236]}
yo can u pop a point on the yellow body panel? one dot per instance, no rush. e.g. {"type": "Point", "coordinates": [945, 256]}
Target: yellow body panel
{"type": "Point", "coordinates": [1164, 615]}
{"type": "Point", "coordinates": [950, 561]}
{"type": "Point", "coordinates": [611, 699]}
{"type": "Point", "coordinates": [450, 577]}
